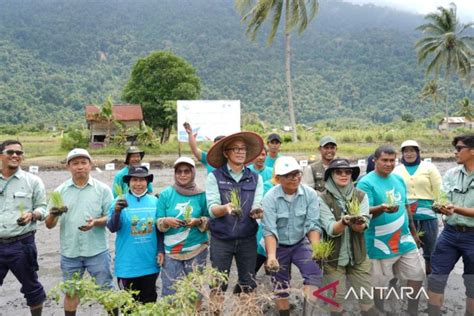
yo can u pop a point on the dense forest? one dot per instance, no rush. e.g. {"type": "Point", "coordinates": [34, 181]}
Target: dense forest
{"type": "Point", "coordinates": [352, 61]}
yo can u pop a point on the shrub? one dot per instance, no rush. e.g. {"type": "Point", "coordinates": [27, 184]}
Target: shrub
{"type": "Point", "coordinates": [369, 139]}
{"type": "Point", "coordinates": [75, 139]}
{"type": "Point", "coordinates": [389, 138]}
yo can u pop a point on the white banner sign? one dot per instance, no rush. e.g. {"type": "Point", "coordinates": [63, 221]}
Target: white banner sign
{"type": "Point", "coordinates": [208, 118]}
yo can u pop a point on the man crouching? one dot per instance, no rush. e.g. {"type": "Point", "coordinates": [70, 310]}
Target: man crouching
{"type": "Point", "coordinates": [291, 217]}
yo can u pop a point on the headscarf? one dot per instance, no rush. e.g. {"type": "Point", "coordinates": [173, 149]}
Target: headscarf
{"type": "Point", "coordinates": [414, 163]}
{"type": "Point", "coordinates": [342, 194]}
{"type": "Point", "coordinates": [189, 189]}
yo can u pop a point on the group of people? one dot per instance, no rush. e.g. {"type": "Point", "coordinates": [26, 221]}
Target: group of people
{"type": "Point", "coordinates": [259, 208]}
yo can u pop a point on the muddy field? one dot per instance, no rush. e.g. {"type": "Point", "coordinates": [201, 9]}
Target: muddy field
{"type": "Point", "coordinates": [12, 302]}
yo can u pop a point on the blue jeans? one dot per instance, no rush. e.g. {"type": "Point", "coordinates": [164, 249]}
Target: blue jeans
{"type": "Point", "coordinates": [20, 257]}
{"type": "Point", "coordinates": [173, 269]}
{"type": "Point", "coordinates": [451, 246]}
{"type": "Point", "coordinates": [98, 267]}
{"type": "Point", "coordinates": [245, 252]}
{"type": "Point", "coordinates": [430, 229]}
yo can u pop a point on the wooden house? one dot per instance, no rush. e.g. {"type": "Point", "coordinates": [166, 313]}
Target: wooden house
{"type": "Point", "coordinates": [130, 116]}
{"type": "Point", "coordinates": [453, 122]}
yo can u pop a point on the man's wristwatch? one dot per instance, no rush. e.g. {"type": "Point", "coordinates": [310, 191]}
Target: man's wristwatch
{"type": "Point", "coordinates": [33, 216]}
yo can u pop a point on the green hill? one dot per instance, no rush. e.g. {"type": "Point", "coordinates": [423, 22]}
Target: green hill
{"type": "Point", "coordinates": [353, 61]}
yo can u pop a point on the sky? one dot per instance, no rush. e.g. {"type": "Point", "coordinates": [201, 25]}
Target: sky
{"type": "Point", "coordinates": [465, 8]}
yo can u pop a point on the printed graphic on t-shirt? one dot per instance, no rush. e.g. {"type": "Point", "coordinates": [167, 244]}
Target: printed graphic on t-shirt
{"type": "Point", "coordinates": [142, 226]}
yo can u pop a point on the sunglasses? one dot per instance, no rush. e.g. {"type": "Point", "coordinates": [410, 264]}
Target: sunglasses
{"type": "Point", "coordinates": [11, 152]}
{"type": "Point", "coordinates": [340, 172]}
{"type": "Point", "coordinates": [458, 148]}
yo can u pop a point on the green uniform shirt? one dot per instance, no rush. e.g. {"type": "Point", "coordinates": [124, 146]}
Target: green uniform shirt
{"type": "Point", "coordinates": [92, 200]}
{"type": "Point", "coordinates": [459, 185]}
{"type": "Point", "coordinates": [22, 190]}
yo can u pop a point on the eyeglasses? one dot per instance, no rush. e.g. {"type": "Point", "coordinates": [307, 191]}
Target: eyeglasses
{"type": "Point", "coordinates": [11, 152]}
{"type": "Point", "coordinates": [340, 172]}
{"type": "Point", "coordinates": [458, 148]}
{"type": "Point", "coordinates": [183, 171]}
{"type": "Point", "coordinates": [236, 150]}
{"type": "Point", "coordinates": [292, 175]}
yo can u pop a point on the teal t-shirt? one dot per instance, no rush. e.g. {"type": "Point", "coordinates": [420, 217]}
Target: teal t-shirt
{"type": "Point", "coordinates": [172, 204]}
{"type": "Point", "coordinates": [269, 161]}
{"type": "Point", "coordinates": [118, 180]}
{"type": "Point", "coordinates": [266, 172]}
{"type": "Point", "coordinates": [388, 234]}
{"type": "Point", "coordinates": [136, 245]}
{"type": "Point", "coordinates": [205, 163]}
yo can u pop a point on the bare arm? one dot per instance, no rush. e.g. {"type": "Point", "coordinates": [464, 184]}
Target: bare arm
{"type": "Point", "coordinates": [313, 236]}
{"type": "Point", "coordinates": [51, 221]}
{"type": "Point", "coordinates": [192, 141]}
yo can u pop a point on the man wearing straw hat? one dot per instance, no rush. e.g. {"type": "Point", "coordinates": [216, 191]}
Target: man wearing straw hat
{"type": "Point", "coordinates": [233, 194]}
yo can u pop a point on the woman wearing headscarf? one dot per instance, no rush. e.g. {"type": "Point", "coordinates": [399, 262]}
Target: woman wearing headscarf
{"type": "Point", "coordinates": [423, 183]}
{"type": "Point", "coordinates": [182, 217]}
{"type": "Point", "coordinates": [133, 216]}
{"type": "Point", "coordinates": [349, 257]}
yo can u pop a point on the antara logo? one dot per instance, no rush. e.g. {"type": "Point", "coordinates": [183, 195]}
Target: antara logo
{"type": "Point", "coordinates": [377, 291]}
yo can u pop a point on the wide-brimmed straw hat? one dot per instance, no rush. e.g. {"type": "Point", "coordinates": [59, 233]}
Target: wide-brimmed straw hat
{"type": "Point", "coordinates": [139, 172]}
{"type": "Point", "coordinates": [253, 141]}
{"type": "Point", "coordinates": [341, 163]}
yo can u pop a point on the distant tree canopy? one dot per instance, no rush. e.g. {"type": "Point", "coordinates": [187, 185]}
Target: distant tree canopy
{"type": "Point", "coordinates": [156, 82]}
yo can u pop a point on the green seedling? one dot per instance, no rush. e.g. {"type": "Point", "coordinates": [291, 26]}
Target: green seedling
{"type": "Point", "coordinates": [56, 199]}
{"type": "Point", "coordinates": [440, 202]}
{"type": "Point", "coordinates": [322, 250]}
{"type": "Point", "coordinates": [188, 212]}
{"type": "Point", "coordinates": [118, 190]}
{"type": "Point", "coordinates": [21, 209]}
{"type": "Point", "coordinates": [353, 207]}
{"type": "Point", "coordinates": [390, 198]}
{"type": "Point", "coordinates": [420, 233]}
{"type": "Point", "coordinates": [234, 198]}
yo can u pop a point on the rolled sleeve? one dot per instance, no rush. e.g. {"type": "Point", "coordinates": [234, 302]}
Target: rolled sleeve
{"type": "Point", "coordinates": [313, 212]}
{"type": "Point", "coordinates": [269, 225]}
{"type": "Point", "coordinates": [39, 199]}
{"type": "Point", "coordinates": [327, 219]}
{"type": "Point", "coordinates": [257, 200]}
{"type": "Point", "coordinates": [213, 196]}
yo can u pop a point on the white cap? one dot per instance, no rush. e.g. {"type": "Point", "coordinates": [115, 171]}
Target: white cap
{"type": "Point", "coordinates": [410, 143]}
{"type": "Point", "coordinates": [187, 160]}
{"type": "Point", "coordinates": [78, 152]}
{"type": "Point", "coordinates": [285, 165]}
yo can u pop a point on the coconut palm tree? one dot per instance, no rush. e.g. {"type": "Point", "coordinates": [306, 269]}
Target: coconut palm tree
{"type": "Point", "coordinates": [445, 42]}
{"type": "Point", "coordinates": [432, 90]}
{"type": "Point", "coordinates": [465, 109]}
{"type": "Point", "coordinates": [297, 14]}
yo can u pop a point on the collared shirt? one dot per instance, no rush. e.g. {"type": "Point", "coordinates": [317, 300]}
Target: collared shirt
{"type": "Point", "coordinates": [213, 196]}
{"type": "Point", "coordinates": [265, 172]}
{"type": "Point", "coordinates": [92, 200]}
{"type": "Point", "coordinates": [23, 191]}
{"type": "Point", "coordinates": [290, 221]}
{"type": "Point", "coordinates": [459, 185]}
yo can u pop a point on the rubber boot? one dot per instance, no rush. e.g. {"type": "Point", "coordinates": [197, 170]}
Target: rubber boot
{"type": "Point", "coordinates": [285, 312]}
{"type": "Point", "coordinates": [37, 311]}
{"type": "Point", "coordinates": [413, 307]}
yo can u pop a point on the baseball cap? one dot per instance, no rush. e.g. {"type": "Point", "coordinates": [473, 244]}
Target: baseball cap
{"type": "Point", "coordinates": [77, 152]}
{"type": "Point", "coordinates": [327, 140]}
{"type": "Point", "coordinates": [410, 143]}
{"type": "Point", "coordinates": [186, 160]}
{"type": "Point", "coordinates": [273, 137]}
{"type": "Point", "coordinates": [285, 165]}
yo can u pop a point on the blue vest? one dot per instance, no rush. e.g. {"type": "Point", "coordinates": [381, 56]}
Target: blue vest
{"type": "Point", "coordinates": [231, 227]}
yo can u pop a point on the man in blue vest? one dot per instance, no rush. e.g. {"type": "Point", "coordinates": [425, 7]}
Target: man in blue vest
{"type": "Point", "coordinates": [233, 194]}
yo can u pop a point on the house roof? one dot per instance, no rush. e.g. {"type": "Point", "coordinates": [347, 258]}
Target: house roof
{"type": "Point", "coordinates": [120, 112]}
{"type": "Point", "coordinates": [454, 120]}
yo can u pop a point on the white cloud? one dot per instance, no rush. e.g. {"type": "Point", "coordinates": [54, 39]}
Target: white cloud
{"type": "Point", "coordinates": [465, 8]}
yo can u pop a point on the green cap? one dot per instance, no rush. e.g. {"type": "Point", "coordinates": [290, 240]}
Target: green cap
{"type": "Point", "coordinates": [327, 140]}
